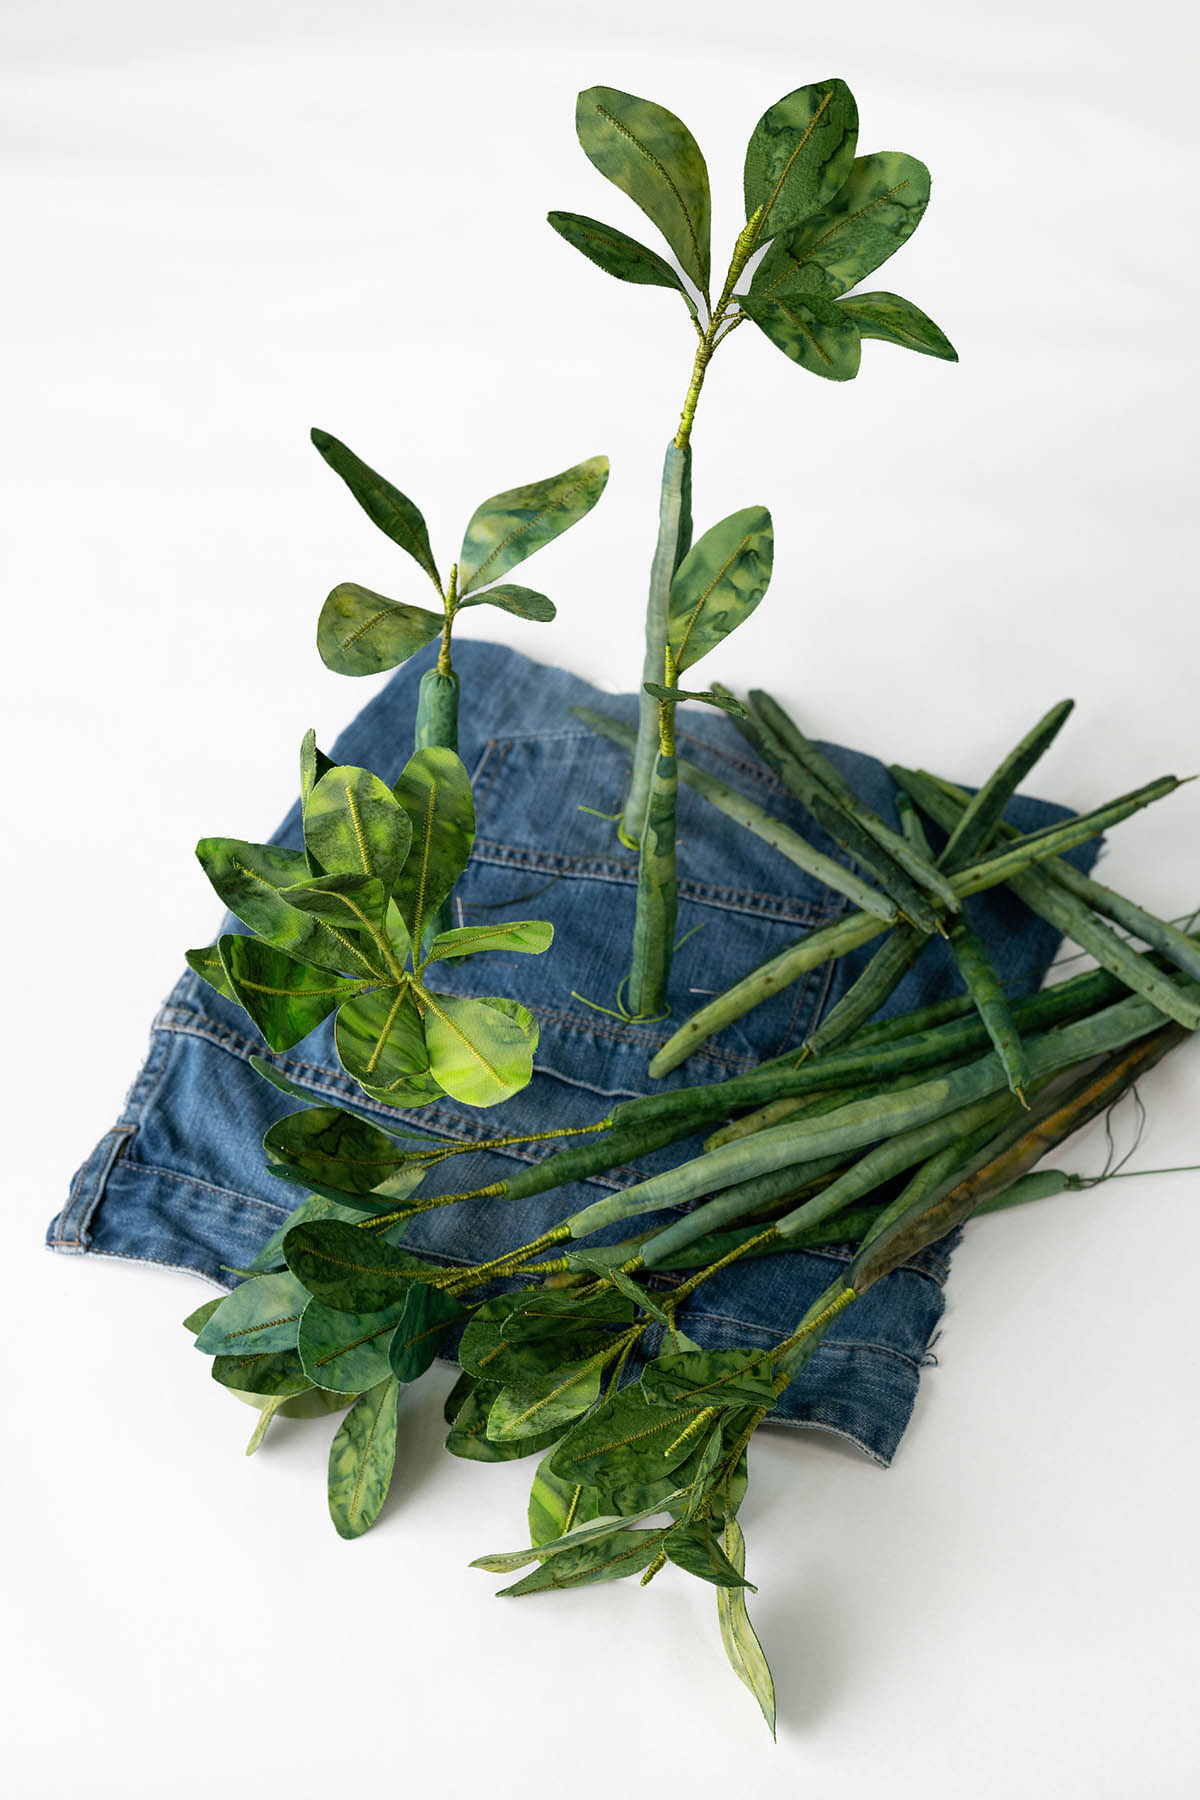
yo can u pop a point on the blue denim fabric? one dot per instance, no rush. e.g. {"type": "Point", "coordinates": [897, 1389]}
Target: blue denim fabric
{"type": "Point", "coordinates": [180, 1180]}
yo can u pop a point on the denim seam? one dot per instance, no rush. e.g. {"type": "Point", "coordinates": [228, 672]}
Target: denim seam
{"type": "Point", "coordinates": [90, 1184]}
{"type": "Point", "coordinates": [210, 1187]}
{"type": "Point", "coordinates": [141, 1092]}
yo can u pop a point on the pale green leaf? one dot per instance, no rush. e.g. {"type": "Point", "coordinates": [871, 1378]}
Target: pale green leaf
{"type": "Point", "coordinates": [360, 632]}
{"type": "Point", "coordinates": [652, 156]}
{"type": "Point", "coordinates": [480, 1051]}
{"type": "Point", "coordinates": [719, 583]}
{"type": "Point", "coordinates": [512, 525]}
{"type": "Point", "coordinates": [361, 1459]}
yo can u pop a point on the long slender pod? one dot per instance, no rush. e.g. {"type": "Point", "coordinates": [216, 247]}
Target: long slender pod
{"type": "Point", "coordinates": [657, 904]}
{"type": "Point", "coordinates": [674, 541]}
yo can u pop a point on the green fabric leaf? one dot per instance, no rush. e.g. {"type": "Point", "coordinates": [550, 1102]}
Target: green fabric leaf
{"type": "Point", "coordinates": [742, 1647]}
{"type": "Point", "coordinates": [816, 333]}
{"type": "Point", "coordinates": [551, 1312]}
{"type": "Point", "coordinates": [652, 156]}
{"type": "Point", "coordinates": [800, 154]}
{"type": "Point", "coordinates": [428, 1316]}
{"type": "Point", "coordinates": [346, 1351]}
{"type": "Point", "coordinates": [867, 221]}
{"type": "Point", "coordinates": [744, 1378]}
{"type": "Point", "coordinates": [435, 792]}
{"type": "Point", "coordinates": [260, 1315]}
{"type": "Point", "coordinates": [604, 1559]}
{"type": "Point", "coordinates": [208, 966]}
{"type": "Point", "coordinates": [719, 583]}
{"type": "Point", "coordinates": [250, 877]}
{"type": "Point", "coordinates": [898, 321]}
{"type": "Point", "coordinates": [350, 1270]}
{"type": "Point", "coordinates": [528, 936]}
{"type": "Point", "coordinates": [316, 1208]}
{"type": "Point", "coordinates": [354, 826]}
{"type": "Point", "coordinates": [555, 1505]}
{"type": "Point", "coordinates": [285, 998]}
{"type": "Point", "coordinates": [726, 702]}
{"type": "Point", "coordinates": [196, 1321]}
{"type": "Point", "coordinates": [384, 505]}
{"type": "Point", "coordinates": [279, 1372]}
{"type": "Point", "coordinates": [468, 1434]}
{"type": "Point", "coordinates": [336, 1147]}
{"type": "Point", "coordinates": [545, 1402]}
{"type": "Point", "coordinates": [351, 902]}
{"type": "Point", "coordinates": [381, 1041]}
{"type": "Point", "coordinates": [360, 632]}
{"type": "Point", "coordinates": [522, 602]}
{"type": "Point", "coordinates": [480, 1052]}
{"type": "Point", "coordinates": [696, 1547]}
{"type": "Point", "coordinates": [511, 526]}
{"type": "Point", "coordinates": [361, 1459]}
{"type": "Point", "coordinates": [313, 764]}
{"type": "Point", "coordinates": [628, 1443]}
{"type": "Point", "coordinates": [581, 1533]}
{"type": "Point", "coordinates": [617, 254]}
{"type": "Point", "coordinates": [412, 1091]}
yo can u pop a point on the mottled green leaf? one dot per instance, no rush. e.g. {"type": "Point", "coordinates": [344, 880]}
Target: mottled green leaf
{"type": "Point", "coordinates": [259, 1315]}
{"type": "Point", "coordinates": [266, 1414]}
{"type": "Point", "coordinates": [353, 903]}
{"type": "Point", "coordinates": [711, 1377]}
{"type": "Point", "coordinates": [629, 1441]}
{"type": "Point", "coordinates": [354, 826]}
{"type": "Point", "coordinates": [800, 153]}
{"type": "Point", "coordinates": [347, 1351]}
{"type": "Point", "coordinates": [360, 632]}
{"type": "Point", "coordinates": [381, 1040]}
{"type": "Point", "coordinates": [408, 1091]}
{"type": "Point", "coordinates": [384, 505]}
{"type": "Point", "coordinates": [696, 1547]}
{"type": "Point", "coordinates": [719, 583]}
{"type": "Point", "coordinates": [208, 965]}
{"type": "Point", "coordinates": [551, 1312]}
{"type": "Point", "coordinates": [428, 1316]}
{"type": "Point", "coordinates": [547, 1402]}
{"type": "Point", "coordinates": [479, 1052]}
{"type": "Point", "coordinates": [522, 602]}
{"type": "Point", "coordinates": [435, 793]}
{"type": "Point", "coordinates": [556, 1505]}
{"type": "Point", "coordinates": [867, 221]}
{"type": "Point", "coordinates": [742, 1647]}
{"type": "Point", "coordinates": [249, 879]}
{"type": "Point", "coordinates": [898, 321]}
{"type": "Point", "coordinates": [468, 1433]}
{"type": "Point", "coordinates": [457, 1398]}
{"type": "Point", "coordinates": [529, 936]}
{"type": "Point", "coordinates": [316, 1208]}
{"type": "Point", "coordinates": [617, 254]}
{"type": "Point", "coordinates": [512, 525]}
{"type": "Point", "coordinates": [279, 1373]}
{"type": "Point", "coordinates": [674, 695]}
{"type": "Point", "coordinates": [196, 1321]}
{"type": "Point", "coordinates": [285, 998]}
{"type": "Point", "coordinates": [652, 156]}
{"type": "Point", "coordinates": [313, 764]}
{"type": "Point", "coordinates": [361, 1459]}
{"type": "Point", "coordinates": [604, 1559]}
{"type": "Point", "coordinates": [335, 1147]}
{"type": "Point", "coordinates": [351, 1270]}
{"type": "Point", "coordinates": [581, 1532]}
{"type": "Point", "coordinates": [819, 334]}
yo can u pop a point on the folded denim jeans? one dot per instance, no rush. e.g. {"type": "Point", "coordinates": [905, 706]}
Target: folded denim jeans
{"type": "Point", "coordinates": [180, 1180]}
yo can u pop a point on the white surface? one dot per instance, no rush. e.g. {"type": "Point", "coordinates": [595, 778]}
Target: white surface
{"type": "Point", "coordinates": [227, 222]}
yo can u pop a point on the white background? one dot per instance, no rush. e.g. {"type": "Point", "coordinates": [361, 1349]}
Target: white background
{"type": "Point", "coordinates": [227, 222]}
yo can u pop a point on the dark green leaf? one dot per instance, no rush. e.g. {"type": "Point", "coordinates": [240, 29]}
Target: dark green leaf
{"type": "Point", "coordinates": [719, 583]}
{"type": "Point", "coordinates": [512, 525]}
{"type": "Point", "coordinates": [553, 1312]}
{"type": "Point", "coordinates": [816, 333]}
{"type": "Point", "coordinates": [351, 1270]}
{"type": "Point", "coordinates": [696, 1547]}
{"type": "Point", "coordinates": [457, 1398]}
{"type": "Point", "coordinates": [360, 632]}
{"type": "Point", "coordinates": [313, 764]}
{"type": "Point", "coordinates": [381, 1040]}
{"type": "Point", "coordinates": [354, 826]}
{"type": "Point", "coordinates": [877, 211]}
{"type": "Point", "coordinates": [285, 998]}
{"type": "Point", "coordinates": [346, 1351]}
{"type": "Point", "coordinates": [317, 1208]}
{"type": "Point", "coordinates": [480, 1052]}
{"type": "Point", "coordinates": [384, 505]}
{"type": "Point", "coordinates": [435, 792]}
{"type": "Point", "coordinates": [196, 1321]}
{"type": "Point", "coordinates": [349, 902]}
{"type": "Point", "coordinates": [898, 321]}
{"type": "Point", "coordinates": [249, 877]}
{"type": "Point", "coordinates": [208, 965]}
{"type": "Point", "coordinates": [711, 1377]}
{"type": "Point", "coordinates": [652, 156]}
{"type": "Point", "coordinates": [605, 1559]}
{"type": "Point", "coordinates": [800, 154]}
{"type": "Point", "coordinates": [626, 1446]}
{"type": "Point", "coordinates": [280, 1373]}
{"type": "Point", "coordinates": [726, 702]}
{"type": "Point", "coordinates": [468, 1433]}
{"type": "Point", "coordinates": [421, 1330]}
{"type": "Point", "coordinates": [617, 254]}
{"type": "Point", "coordinates": [260, 1315]}
{"type": "Point", "coordinates": [547, 1402]}
{"type": "Point", "coordinates": [742, 1647]}
{"type": "Point", "coordinates": [522, 602]}
{"type": "Point", "coordinates": [361, 1459]}
{"type": "Point", "coordinates": [529, 936]}
{"type": "Point", "coordinates": [335, 1147]}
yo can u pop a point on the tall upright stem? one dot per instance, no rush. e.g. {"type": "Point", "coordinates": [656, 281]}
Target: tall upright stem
{"type": "Point", "coordinates": [674, 541]}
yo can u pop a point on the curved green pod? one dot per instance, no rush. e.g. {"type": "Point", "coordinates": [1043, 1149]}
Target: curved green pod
{"type": "Point", "coordinates": [674, 541]}
{"type": "Point", "coordinates": [437, 711]}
